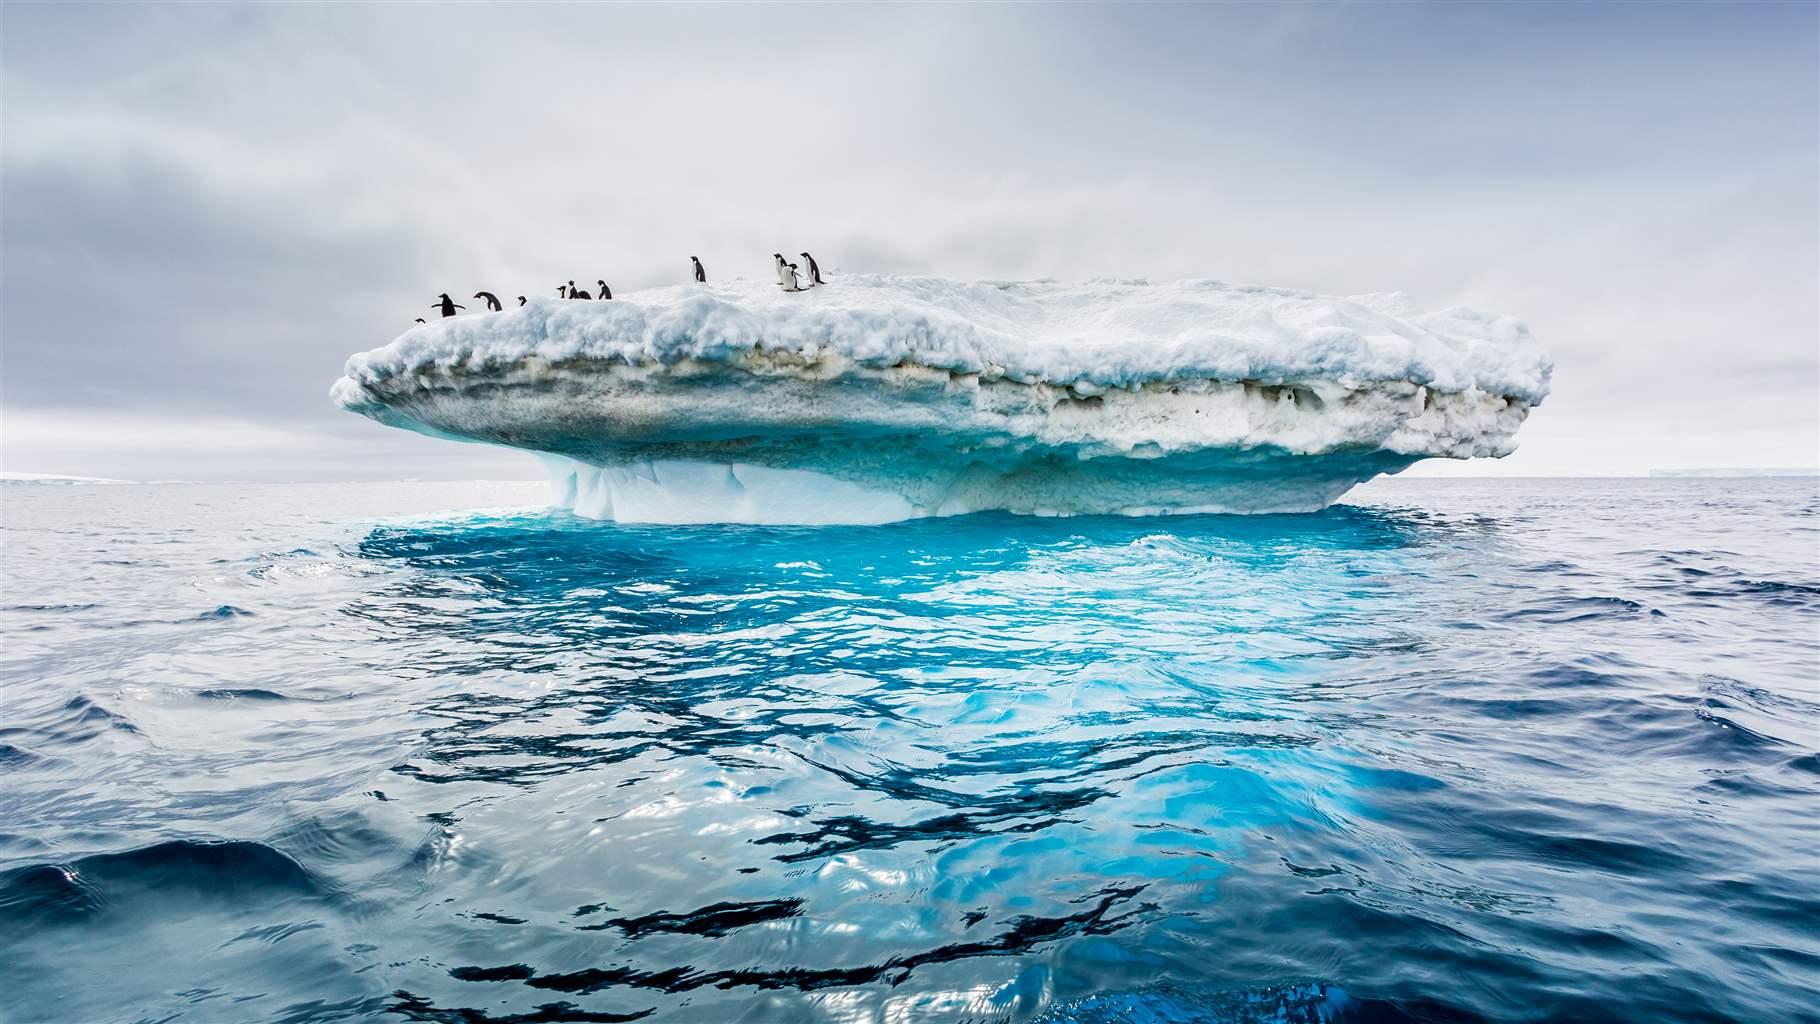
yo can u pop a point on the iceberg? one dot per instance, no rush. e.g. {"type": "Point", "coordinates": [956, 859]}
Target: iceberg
{"type": "Point", "coordinates": [879, 398]}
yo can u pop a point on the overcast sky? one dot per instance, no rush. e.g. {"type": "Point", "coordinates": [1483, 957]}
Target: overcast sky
{"type": "Point", "coordinates": [205, 208]}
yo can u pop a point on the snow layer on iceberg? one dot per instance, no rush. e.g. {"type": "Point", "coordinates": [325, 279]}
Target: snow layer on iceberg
{"type": "Point", "coordinates": [882, 398]}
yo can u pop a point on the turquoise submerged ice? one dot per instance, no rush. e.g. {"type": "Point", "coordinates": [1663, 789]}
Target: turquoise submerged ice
{"type": "Point", "coordinates": [876, 399]}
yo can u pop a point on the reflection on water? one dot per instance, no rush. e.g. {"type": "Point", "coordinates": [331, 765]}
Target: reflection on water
{"type": "Point", "coordinates": [1465, 755]}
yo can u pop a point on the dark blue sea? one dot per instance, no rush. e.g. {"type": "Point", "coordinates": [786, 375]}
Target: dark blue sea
{"type": "Point", "coordinates": [1516, 750]}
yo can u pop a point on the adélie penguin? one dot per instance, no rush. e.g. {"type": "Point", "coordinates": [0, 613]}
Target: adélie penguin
{"type": "Point", "coordinates": [605, 292]}
{"type": "Point", "coordinates": [492, 301]}
{"type": "Point", "coordinates": [815, 272]}
{"type": "Point", "coordinates": [782, 269]}
{"type": "Point", "coordinates": [446, 304]}
{"type": "Point", "coordinates": [701, 276]}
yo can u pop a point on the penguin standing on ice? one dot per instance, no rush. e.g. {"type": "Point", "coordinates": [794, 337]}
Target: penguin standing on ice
{"type": "Point", "coordinates": [701, 276]}
{"type": "Point", "coordinates": [521, 300]}
{"type": "Point", "coordinates": [562, 291]}
{"type": "Point", "coordinates": [605, 292]}
{"type": "Point", "coordinates": [783, 269]}
{"type": "Point", "coordinates": [577, 293]}
{"type": "Point", "coordinates": [493, 305]}
{"type": "Point", "coordinates": [447, 305]}
{"type": "Point", "coordinates": [791, 285]}
{"type": "Point", "coordinates": [815, 272]}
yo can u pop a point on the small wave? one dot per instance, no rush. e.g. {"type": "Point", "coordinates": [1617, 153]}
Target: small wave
{"type": "Point", "coordinates": [1753, 717]}
{"type": "Point", "coordinates": [226, 611]}
{"type": "Point", "coordinates": [72, 607]}
{"type": "Point", "coordinates": [71, 723]}
{"type": "Point", "coordinates": [17, 757]}
{"type": "Point", "coordinates": [1736, 733]}
{"type": "Point", "coordinates": [1563, 848]}
{"type": "Point", "coordinates": [178, 872]}
{"type": "Point", "coordinates": [273, 934]}
{"type": "Point", "coordinates": [1756, 697]}
{"type": "Point", "coordinates": [240, 694]}
{"type": "Point", "coordinates": [1564, 611]}
{"type": "Point", "coordinates": [1809, 763]}
{"type": "Point", "coordinates": [1744, 784]}
{"type": "Point", "coordinates": [1776, 592]}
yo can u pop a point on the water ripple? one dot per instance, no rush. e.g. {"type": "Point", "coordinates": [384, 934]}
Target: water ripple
{"type": "Point", "coordinates": [1462, 752]}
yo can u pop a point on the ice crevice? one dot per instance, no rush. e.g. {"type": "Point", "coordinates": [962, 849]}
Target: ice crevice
{"type": "Point", "coordinates": [875, 399]}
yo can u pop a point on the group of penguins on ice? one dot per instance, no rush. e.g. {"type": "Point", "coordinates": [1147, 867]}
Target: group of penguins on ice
{"type": "Point", "coordinates": [787, 278]}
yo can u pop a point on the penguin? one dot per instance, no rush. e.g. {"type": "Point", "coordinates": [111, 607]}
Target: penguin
{"type": "Point", "coordinates": [792, 285]}
{"type": "Point", "coordinates": [493, 305]}
{"type": "Point", "coordinates": [521, 300]}
{"type": "Point", "coordinates": [577, 293]}
{"type": "Point", "coordinates": [420, 320]}
{"type": "Point", "coordinates": [562, 291]}
{"type": "Point", "coordinates": [701, 276]}
{"type": "Point", "coordinates": [782, 273]}
{"type": "Point", "coordinates": [605, 292]}
{"type": "Point", "coordinates": [447, 305]}
{"type": "Point", "coordinates": [815, 272]}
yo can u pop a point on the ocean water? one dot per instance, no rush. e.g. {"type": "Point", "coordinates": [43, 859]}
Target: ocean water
{"type": "Point", "coordinates": [1452, 751]}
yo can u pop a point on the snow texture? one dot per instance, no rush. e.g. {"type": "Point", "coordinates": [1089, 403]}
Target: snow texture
{"type": "Point", "coordinates": [873, 399]}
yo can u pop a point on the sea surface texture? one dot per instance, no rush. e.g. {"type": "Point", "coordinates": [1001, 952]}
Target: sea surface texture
{"type": "Point", "coordinates": [1454, 751]}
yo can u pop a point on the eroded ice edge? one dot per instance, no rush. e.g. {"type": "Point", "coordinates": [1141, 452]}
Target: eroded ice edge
{"type": "Point", "coordinates": [876, 399]}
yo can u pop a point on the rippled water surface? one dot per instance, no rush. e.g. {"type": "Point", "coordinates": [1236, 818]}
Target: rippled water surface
{"type": "Point", "coordinates": [1515, 750]}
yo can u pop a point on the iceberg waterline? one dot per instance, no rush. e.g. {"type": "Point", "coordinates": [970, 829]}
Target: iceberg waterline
{"type": "Point", "coordinates": [883, 398]}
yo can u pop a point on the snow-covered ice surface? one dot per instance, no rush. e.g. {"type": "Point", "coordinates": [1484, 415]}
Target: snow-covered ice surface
{"type": "Point", "coordinates": [875, 399]}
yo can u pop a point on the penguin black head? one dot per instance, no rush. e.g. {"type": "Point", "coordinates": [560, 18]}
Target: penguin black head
{"type": "Point", "coordinates": [421, 320]}
{"type": "Point", "coordinates": [804, 255]}
{"type": "Point", "coordinates": [521, 300]}
{"type": "Point", "coordinates": [443, 295]}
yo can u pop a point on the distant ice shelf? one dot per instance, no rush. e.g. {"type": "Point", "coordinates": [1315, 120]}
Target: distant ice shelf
{"type": "Point", "coordinates": [8, 477]}
{"type": "Point", "coordinates": [1738, 471]}
{"type": "Point", "coordinates": [875, 399]}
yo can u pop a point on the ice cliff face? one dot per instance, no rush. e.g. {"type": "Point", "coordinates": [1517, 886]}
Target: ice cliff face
{"type": "Point", "coordinates": [882, 398]}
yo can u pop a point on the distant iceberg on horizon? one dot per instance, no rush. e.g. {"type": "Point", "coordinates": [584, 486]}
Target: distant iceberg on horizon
{"type": "Point", "coordinates": [1734, 472]}
{"type": "Point", "coordinates": [880, 398]}
{"type": "Point", "coordinates": [8, 477]}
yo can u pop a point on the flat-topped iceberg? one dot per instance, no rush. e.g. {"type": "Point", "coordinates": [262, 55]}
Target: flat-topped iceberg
{"type": "Point", "coordinates": [873, 399]}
